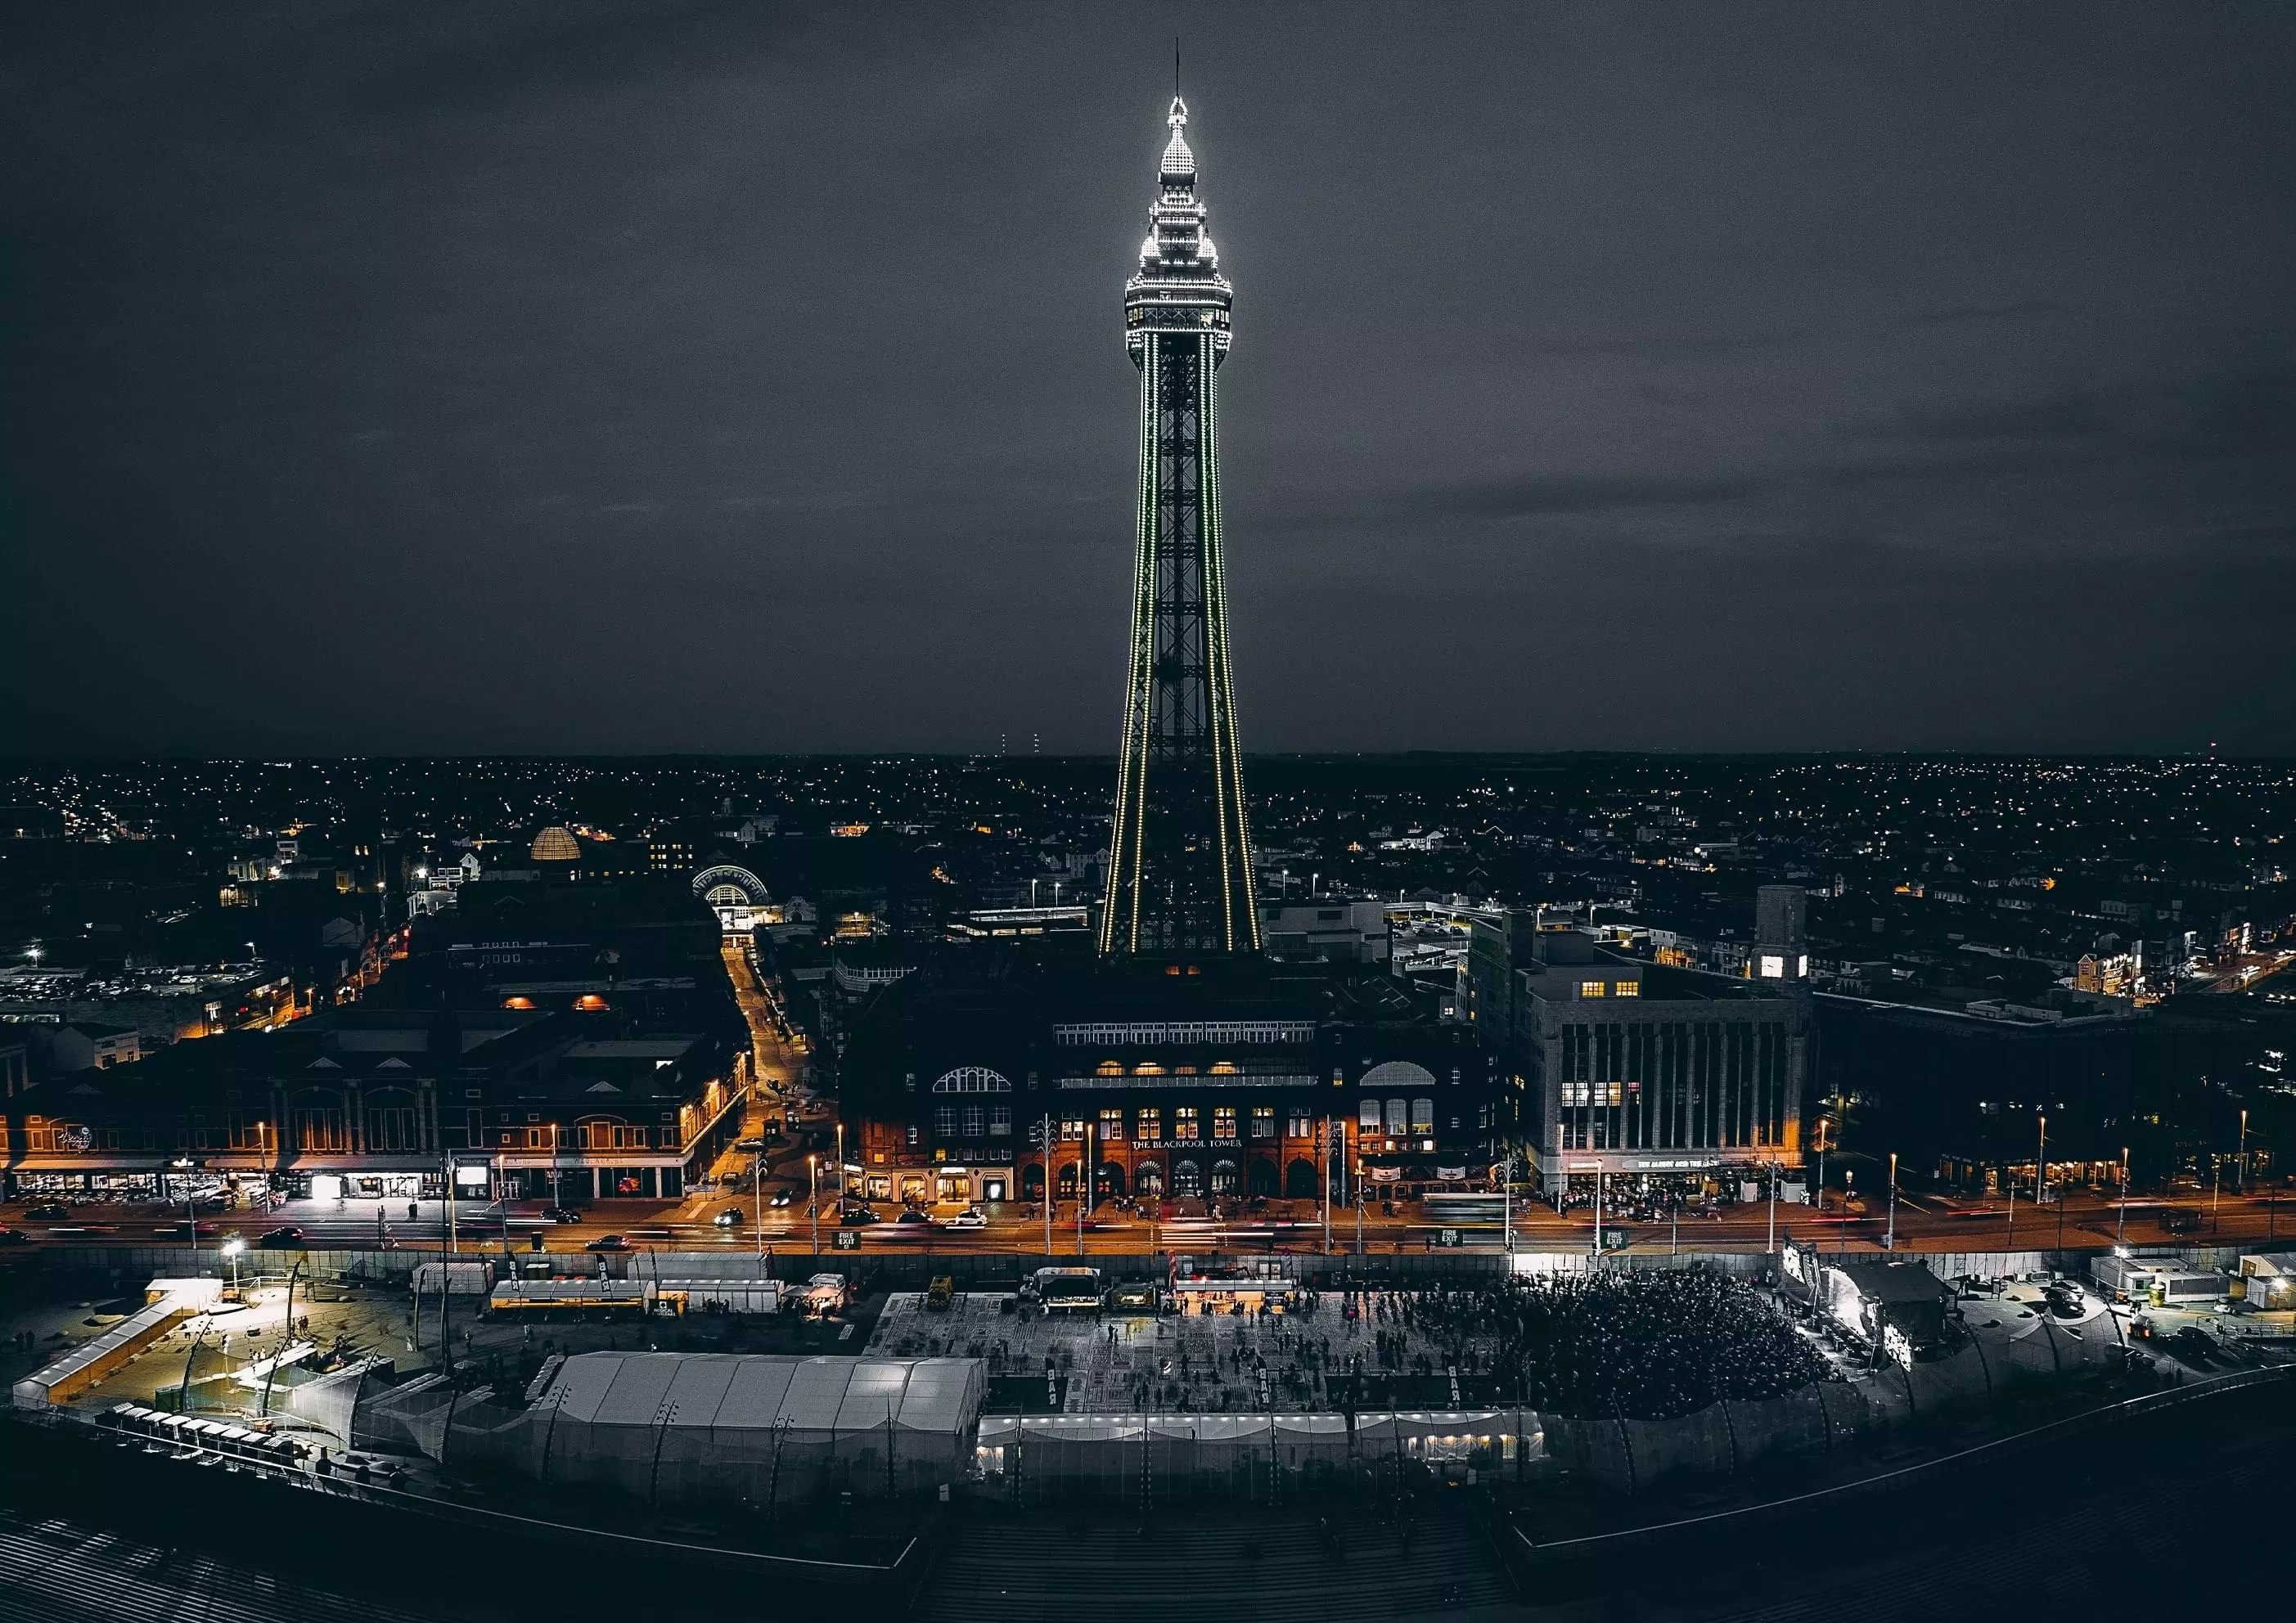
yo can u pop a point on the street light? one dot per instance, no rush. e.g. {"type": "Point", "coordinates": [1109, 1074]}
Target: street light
{"type": "Point", "coordinates": [2041, 1167]}
{"type": "Point", "coordinates": [1890, 1244]}
{"type": "Point", "coordinates": [2120, 1233]}
{"type": "Point", "coordinates": [813, 1205]}
{"type": "Point", "coordinates": [232, 1248]}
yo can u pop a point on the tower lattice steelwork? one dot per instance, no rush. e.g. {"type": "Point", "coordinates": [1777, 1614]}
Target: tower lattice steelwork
{"type": "Point", "coordinates": [1180, 871]}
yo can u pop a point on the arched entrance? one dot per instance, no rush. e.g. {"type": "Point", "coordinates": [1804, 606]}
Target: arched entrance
{"type": "Point", "coordinates": [1148, 1178]}
{"type": "Point", "coordinates": [1109, 1184]}
{"type": "Point", "coordinates": [1223, 1178]}
{"type": "Point", "coordinates": [1262, 1176]}
{"type": "Point", "coordinates": [1032, 1182]}
{"type": "Point", "coordinates": [1067, 1182]}
{"type": "Point", "coordinates": [1302, 1182]}
{"type": "Point", "coordinates": [1187, 1179]}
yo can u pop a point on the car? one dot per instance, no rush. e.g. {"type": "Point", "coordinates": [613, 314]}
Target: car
{"type": "Point", "coordinates": [284, 1238]}
{"type": "Point", "coordinates": [561, 1214]}
{"type": "Point", "coordinates": [913, 1216]}
{"type": "Point", "coordinates": [940, 1294]}
{"type": "Point", "coordinates": [2193, 1345]}
{"type": "Point", "coordinates": [608, 1243]}
{"type": "Point", "coordinates": [729, 1217]}
{"type": "Point", "coordinates": [972, 1217]}
{"type": "Point", "coordinates": [47, 1212]}
{"type": "Point", "coordinates": [14, 1236]}
{"type": "Point", "coordinates": [1134, 1296]}
{"type": "Point", "coordinates": [782, 1197]}
{"type": "Point", "coordinates": [859, 1217]}
{"type": "Point", "coordinates": [750, 1144]}
{"type": "Point", "coordinates": [179, 1231]}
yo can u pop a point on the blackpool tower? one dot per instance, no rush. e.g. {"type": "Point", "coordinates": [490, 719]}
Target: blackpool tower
{"type": "Point", "coordinates": [1180, 868]}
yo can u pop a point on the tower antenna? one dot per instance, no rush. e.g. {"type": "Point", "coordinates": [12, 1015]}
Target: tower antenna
{"type": "Point", "coordinates": [1175, 64]}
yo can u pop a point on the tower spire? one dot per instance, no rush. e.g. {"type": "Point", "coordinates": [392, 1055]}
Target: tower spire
{"type": "Point", "coordinates": [1180, 871]}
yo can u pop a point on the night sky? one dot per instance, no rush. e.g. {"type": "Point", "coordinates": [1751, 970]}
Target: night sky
{"type": "Point", "coordinates": [582, 377]}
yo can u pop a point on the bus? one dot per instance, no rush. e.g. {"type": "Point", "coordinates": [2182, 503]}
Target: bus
{"type": "Point", "coordinates": [1465, 1209]}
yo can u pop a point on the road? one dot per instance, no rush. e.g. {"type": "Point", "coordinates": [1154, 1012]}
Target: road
{"type": "Point", "coordinates": [1930, 1225]}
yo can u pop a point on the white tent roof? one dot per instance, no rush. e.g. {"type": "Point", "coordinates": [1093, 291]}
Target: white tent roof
{"type": "Point", "coordinates": [736, 1392]}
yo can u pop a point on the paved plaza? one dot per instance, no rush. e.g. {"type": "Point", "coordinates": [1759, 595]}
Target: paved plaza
{"type": "Point", "coordinates": [1115, 1363]}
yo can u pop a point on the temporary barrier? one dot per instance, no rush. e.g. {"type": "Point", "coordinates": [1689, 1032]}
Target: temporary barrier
{"type": "Point", "coordinates": [1146, 1460]}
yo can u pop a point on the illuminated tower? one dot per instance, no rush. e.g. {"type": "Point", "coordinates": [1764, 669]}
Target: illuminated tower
{"type": "Point", "coordinates": [1179, 867]}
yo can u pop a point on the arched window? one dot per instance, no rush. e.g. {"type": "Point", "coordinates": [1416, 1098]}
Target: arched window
{"type": "Point", "coordinates": [1369, 1118]}
{"type": "Point", "coordinates": [1399, 1117]}
{"type": "Point", "coordinates": [1423, 1115]}
{"type": "Point", "coordinates": [1398, 1073]}
{"type": "Point", "coordinates": [972, 1079]}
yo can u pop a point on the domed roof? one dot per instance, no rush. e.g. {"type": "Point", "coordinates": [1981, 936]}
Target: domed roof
{"type": "Point", "coordinates": [556, 844]}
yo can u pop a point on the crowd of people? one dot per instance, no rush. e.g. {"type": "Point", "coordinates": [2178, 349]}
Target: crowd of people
{"type": "Point", "coordinates": [1648, 1346]}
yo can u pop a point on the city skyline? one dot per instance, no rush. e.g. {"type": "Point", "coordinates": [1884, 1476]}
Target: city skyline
{"type": "Point", "coordinates": [558, 380]}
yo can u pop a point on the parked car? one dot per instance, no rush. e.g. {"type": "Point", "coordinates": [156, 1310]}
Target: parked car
{"type": "Point", "coordinates": [14, 1236]}
{"type": "Point", "coordinates": [913, 1216]}
{"type": "Point", "coordinates": [859, 1217]}
{"type": "Point", "coordinates": [940, 1294]}
{"type": "Point", "coordinates": [608, 1243]}
{"type": "Point", "coordinates": [729, 1217]}
{"type": "Point", "coordinates": [47, 1212]}
{"type": "Point", "coordinates": [561, 1214]}
{"type": "Point", "coordinates": [972, 1217]}
{"type": "Point", "coordinates": [285, 1238]}
{"type": "Point", "coordinates": [752, 1144]}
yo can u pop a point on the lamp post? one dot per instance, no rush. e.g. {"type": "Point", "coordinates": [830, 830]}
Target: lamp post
{"type": "Point", "coordinates": [2243, 1155]}
{"type": "Point", "coordinates": [232, 1248]}
{"type": "Point", "coordinates": [758, 1207]}
{"type": "Point", "coordinates": [1083, 1184]}
{"type": "Point", "coordinates": [1326, 1147]}
{"type": "Point", "coordinates": [1507, 1202]}
{"type": "Point", "coordinates": [2041, 1166]}
{"type": "Point", "coordinates": [1890, 1244]}
{"type": "Point", "coordinates": [1772, 1244]}
{"type": "Point", "coordinates": [813, 1201]}
{"type": "Point", "coordinates": [2120, 1230]}
{"type": "Point", "coordinates": [1048, 1185]}
{"type": "Point", "coordinates": [1356, 1182]}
